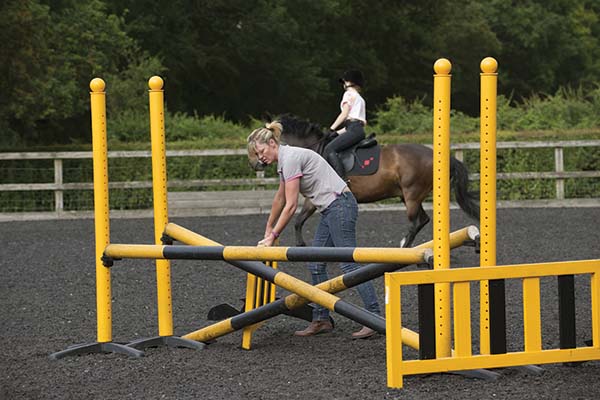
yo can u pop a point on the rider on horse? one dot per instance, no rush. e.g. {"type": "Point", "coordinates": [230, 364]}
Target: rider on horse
{"type": "Point", "coordinates": [350, 123]}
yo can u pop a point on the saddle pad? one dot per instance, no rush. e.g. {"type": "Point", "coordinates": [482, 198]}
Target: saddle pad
{"type": "Point", "coordinates": [362, 161]}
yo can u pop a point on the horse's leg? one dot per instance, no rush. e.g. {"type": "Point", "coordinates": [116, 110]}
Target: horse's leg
{"type": "Point", "coordinates": [418, 219]}
{"type": "Point", "coordinates": [308, 209]}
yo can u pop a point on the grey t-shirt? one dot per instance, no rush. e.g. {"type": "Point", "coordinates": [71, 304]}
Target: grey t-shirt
{"type": "Point", "coordinates": [318, 180]}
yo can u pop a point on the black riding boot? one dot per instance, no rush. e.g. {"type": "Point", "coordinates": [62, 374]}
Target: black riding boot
{"type": "Point", "coordinates": [334, 159]}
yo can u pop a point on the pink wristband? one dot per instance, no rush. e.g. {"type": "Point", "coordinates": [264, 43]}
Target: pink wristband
{"type": "Point", "coordinates": [275, 234]}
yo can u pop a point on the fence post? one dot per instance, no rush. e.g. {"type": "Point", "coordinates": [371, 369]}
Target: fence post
{"type": "Point", "coordinates": [58, 181]}
{"type": "Point", "coordinates": [459, 155]}
{"type": "Point", "coordinates": [559, 166]}
{"type": "Point", "coordinates": [261, 175]}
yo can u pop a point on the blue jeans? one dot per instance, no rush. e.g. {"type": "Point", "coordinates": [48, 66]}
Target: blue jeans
{"type": "Point", "coordinates": [337, 228]}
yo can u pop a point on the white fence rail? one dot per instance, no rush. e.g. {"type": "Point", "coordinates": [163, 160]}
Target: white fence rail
{"type": "Point", "coordinates": [59, 187]}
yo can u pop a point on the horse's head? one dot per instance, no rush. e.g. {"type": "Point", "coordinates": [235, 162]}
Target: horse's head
{"type": "Point", "coordinates": [296, 132]}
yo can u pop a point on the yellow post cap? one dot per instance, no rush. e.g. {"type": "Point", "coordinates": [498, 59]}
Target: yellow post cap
{"type": "Point", "coordinates": [97, 85]}
{"type": "Point", "coordinates": [489, 65]}
{"type": "Point", "coordinates": [155, 83]}
{"type": "Point", "coordinates": [442, 66]}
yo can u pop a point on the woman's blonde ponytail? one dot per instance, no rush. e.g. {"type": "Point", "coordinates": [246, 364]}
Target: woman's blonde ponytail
{"type": "Point", "coordinates": [276, 128]}
{"type": "Point", "coordinates": [272, 130]}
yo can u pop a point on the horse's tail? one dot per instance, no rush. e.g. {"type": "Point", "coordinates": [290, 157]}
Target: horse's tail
{"type": "Point", "coordinates": [459, 176]}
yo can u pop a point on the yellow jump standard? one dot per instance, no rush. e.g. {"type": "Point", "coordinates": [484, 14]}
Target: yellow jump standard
{"type": "Point", "coordinates": [104, 342]}
{"type": "Point", "coordinates": [159, 195]}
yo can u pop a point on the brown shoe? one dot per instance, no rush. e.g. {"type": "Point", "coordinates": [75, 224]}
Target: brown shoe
{"type": "Point", "coordinates": [315, 327]}
{"type": "Point", "coordinates": [364, 333]}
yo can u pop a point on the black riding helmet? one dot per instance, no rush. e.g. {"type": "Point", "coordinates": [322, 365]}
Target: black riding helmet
{"type": "Point", "coordinates": [354, 76]}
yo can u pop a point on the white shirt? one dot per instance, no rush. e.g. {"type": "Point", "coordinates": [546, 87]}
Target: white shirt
{"type": "Point", "coordinates": [358, 107]}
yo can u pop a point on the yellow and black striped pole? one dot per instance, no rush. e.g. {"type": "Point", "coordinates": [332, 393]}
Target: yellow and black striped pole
{"type": "Point", "coordinates": [253, 253]}
{"type": "Point", "coordinates": [277, 277]}
{"type": "Point", "coordinates": [294, 301]}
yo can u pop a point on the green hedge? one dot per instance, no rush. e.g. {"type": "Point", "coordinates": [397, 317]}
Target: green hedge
{"type": "Point", "coordinates": [567, 109]}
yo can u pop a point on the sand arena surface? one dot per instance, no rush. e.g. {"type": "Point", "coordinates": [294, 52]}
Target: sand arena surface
{"type": "Point", "coordinates": [47, 292]}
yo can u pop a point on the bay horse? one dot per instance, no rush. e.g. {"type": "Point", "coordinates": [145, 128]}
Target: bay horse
{"type": "Point", "coordinates": [405, 171]}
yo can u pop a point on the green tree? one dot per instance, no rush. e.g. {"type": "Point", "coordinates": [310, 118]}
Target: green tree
{"type": "Point", "coordinates": [23, 85]}
{"type": "Point", "coordinates": [546, 44]}
{"type": "Point", "coordinates": [55, 49]}
{"type": "Point", "coordinates": [235, 58]}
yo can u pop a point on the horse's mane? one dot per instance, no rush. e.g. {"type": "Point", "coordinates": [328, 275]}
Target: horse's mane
{"type": "Point", "coordinates": [294, 126]}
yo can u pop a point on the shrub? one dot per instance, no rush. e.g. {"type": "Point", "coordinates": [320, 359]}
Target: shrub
{"type": "Point", "coordinates": [131, 126]}
{"type": "Point", "coordinates": [398, 115]}
{"type": "Point", "coordinates": [183, 127]}
{"type": "Point", "coordinates": [566, 109]}
{"type": "Point", "coordinates": [460, 122]}
{"type": "Point", "coordinates": [508, 115]}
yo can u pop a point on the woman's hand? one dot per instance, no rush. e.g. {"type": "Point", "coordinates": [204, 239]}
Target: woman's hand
{"type": "Point", "coordinates": [267, 241]}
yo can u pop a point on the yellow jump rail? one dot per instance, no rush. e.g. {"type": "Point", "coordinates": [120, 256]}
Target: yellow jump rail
{"type": "Point", "coordinates": [462, 359]}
